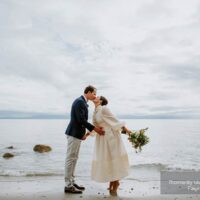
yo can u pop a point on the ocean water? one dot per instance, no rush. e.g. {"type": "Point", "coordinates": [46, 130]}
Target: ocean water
{"type": "Point", "coordinates": [174, 144]}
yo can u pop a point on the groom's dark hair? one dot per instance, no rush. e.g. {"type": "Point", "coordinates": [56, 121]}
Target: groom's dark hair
{"type": "Point", "coordinates": [89, 88]}
{"type": "Point", "coordinates": [104, 101]}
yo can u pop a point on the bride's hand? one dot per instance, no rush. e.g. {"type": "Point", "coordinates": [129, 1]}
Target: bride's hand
{"type": "Point", "coordinates": [129, 132]}
{"type": "Point", "coordinates": [126, 130]}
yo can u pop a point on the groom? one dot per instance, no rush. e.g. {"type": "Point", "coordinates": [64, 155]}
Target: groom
{"type": "Point", "coordinates": [75, 132]}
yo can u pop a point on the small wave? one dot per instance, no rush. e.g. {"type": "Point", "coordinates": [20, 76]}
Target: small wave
{"type": "Point", "coordinates": [158, 166]}
{"type": "Point", "coordinates": [161, 166]}
{"type": "Point", "coordinates": [28, 174]}
{"type": "Point", "coordinates": [150, 169]}
{"type": "Point", "coordinates": [44, 174]}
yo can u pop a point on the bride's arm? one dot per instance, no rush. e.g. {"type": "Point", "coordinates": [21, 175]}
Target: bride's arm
{"type": "Point", "coordinates": [111, 120]}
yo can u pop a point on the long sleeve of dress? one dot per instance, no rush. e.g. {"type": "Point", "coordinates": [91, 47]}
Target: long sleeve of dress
{"type": "Point", "coordinates": [111, 120]}
{"type": "Point", "coordinates": [94, 120]}
{"type": "Point", "coordinates": [93, 133]}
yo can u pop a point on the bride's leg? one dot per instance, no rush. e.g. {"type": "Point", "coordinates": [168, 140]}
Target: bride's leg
{"type": "Point", "coordinates": [115, 186]}
{"type": "Point", "coordinates": [111, 186]}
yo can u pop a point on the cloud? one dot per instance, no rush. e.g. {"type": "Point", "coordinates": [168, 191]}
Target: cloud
{"type": "Point", "coordinates": [142, 55]}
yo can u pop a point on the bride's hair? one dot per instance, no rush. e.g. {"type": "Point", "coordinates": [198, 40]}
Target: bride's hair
{"type": "Point", "coordinates": [104, 101]}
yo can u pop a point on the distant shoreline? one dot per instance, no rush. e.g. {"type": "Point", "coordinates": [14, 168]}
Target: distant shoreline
{"type": "Point", "coordinates": [9, 114]}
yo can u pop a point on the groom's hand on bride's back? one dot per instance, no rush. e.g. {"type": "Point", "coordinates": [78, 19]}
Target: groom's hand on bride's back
{"type": "Point", "coordinates": [99, 130]}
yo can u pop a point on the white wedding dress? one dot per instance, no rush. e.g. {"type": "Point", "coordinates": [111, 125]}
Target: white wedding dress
{"type": "Point", "coordinates": [110, 159]}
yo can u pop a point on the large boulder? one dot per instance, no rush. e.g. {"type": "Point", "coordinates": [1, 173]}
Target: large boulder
{"type": "Point", "coordinates": [10, 147]}
{"type": "Point", "coordinates": [41, 148]}
{"type": "Point", "coordinates": [8, 155]}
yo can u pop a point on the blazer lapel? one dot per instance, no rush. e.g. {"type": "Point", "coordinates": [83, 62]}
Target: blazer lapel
{"type": "Point", "coordinates": [84, 101]}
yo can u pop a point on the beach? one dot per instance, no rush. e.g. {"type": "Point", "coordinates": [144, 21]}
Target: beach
{"type": "Point", "coordinates": [50, 188]}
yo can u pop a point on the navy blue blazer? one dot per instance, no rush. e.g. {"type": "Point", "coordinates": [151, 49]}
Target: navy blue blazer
{"type": "Point", "coordinates": [79, 119]}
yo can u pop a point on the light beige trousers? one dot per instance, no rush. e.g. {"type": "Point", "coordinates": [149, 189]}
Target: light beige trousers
{"type": "Point", "coordinates": [73, 147]}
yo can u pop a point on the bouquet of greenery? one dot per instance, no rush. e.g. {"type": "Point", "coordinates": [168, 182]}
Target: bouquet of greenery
{"type": "Point", "coordinates": [138, 139]}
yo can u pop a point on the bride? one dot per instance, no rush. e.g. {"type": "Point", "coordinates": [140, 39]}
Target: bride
{"type": "Point", "coordinates": [110, 160]}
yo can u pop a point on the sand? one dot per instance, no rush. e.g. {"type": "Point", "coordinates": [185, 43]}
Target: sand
{"type": "Point", "coordinates": [52, 188]}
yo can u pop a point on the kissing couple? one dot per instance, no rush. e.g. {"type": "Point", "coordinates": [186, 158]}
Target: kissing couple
{"type": "Point", "coordinates": [110, 160]}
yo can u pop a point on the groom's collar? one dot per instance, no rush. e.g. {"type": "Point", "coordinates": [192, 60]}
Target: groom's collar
{"type": "Point", "coordinates": [85, 98]}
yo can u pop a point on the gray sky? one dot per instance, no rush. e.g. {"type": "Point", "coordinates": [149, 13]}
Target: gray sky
{"type": "Point", "coordinates": [143, 55]}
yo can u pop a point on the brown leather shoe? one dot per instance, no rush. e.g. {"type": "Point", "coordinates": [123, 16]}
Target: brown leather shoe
{"type": "Point", "coordinates": [79, 187]}
{"type": "Point", "coordinates": [72, 190]}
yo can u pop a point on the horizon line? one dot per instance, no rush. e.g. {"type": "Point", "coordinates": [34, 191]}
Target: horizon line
{"type": "Point", "coordinates": [6, 114]}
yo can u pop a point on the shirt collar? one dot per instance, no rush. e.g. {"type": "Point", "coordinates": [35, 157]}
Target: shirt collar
{"type": "Point", "coordinates": [85, 98]}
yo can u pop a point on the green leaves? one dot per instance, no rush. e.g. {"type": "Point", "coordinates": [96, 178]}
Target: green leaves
{"type": "Point", "coordinates": [138, 139]}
